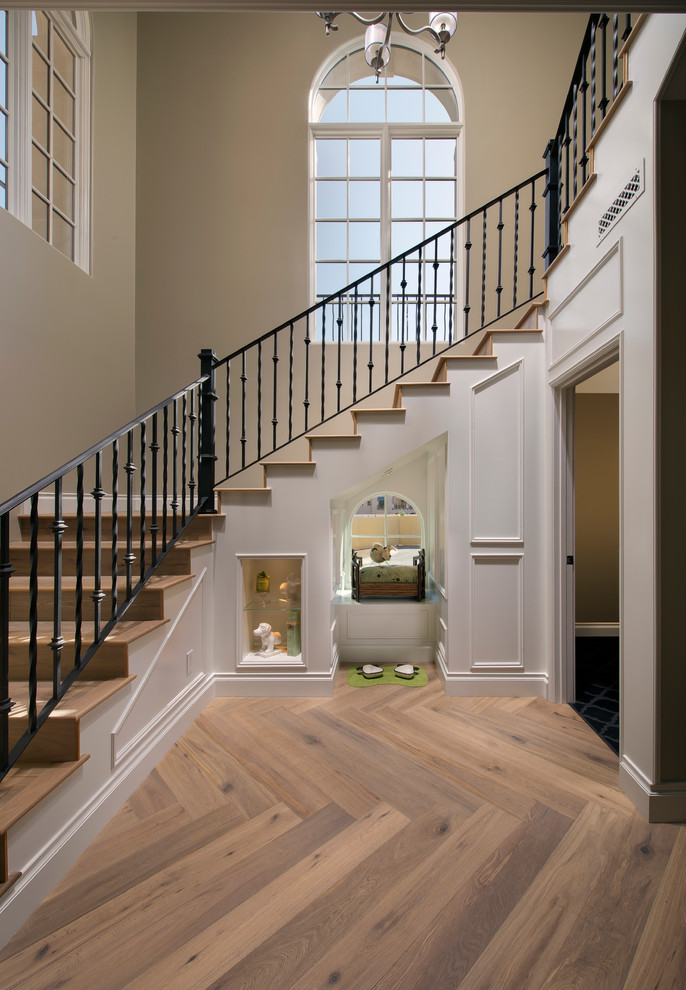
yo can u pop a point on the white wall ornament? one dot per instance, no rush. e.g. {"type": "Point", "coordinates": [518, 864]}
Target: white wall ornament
{"type": "Point", "coordinates": [633, 188]}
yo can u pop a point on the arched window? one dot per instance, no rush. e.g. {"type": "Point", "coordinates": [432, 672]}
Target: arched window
{"type": "Point", "coordinates": [45, 125]}
{"type": "Point", "coordinates": [385, 162]}
{"type": "Point", "coordinates": [388, 519]}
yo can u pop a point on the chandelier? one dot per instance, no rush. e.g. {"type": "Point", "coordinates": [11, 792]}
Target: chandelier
{"type": "Point", "coordinates": [377, 38]}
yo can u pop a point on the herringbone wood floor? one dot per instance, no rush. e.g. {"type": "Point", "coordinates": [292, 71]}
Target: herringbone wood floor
{"type": "Point", "coordinates": [386, 839]}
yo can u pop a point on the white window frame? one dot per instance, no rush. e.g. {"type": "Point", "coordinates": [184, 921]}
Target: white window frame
{"type": "Point", "coordinates": [78, 38]}
{"type": "Point", "coordinates": [386, 132]}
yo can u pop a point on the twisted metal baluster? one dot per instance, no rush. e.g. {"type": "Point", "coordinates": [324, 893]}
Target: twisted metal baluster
{"type": "Point", "coordinates": [165, 475]}
{"type": "Point", "coordinates": [499, 286]}
{"type": "Point", "coordinates": [615, 55]}
{"type": "Point", "coordinates": [468, 250]}
{"type": "Point", "coordinates": [129, 468]}
{"type": "Point", "coordinates": [154, 524]}
{"type": "Point", "coordinates": [516, 250]}
{"type": "Point", "coordinates": [387, 323]}
{"type": "Point", "coordinates": [594, 28]}
{"type": "Point", "coordinates": [98, 594]}
{"type": "Point", "coordinates": [33, 616]}
{"type": "Point", "coordinates": [321, 419]}
{"type": "Point", "coordinates": [290, 385]}
{"type": "Point", "coordinates": [228, 414]}
{"type": "Point", "coordinates": [244, 438]}
{"type": "Point", "coordinates": [403, 345]}
{"type": "Point", "coordinates": [420, 307]}
{"type": "Point", "coordinates": [355, 305]}
{"type": "Point", "coordinates": [143, 506]}
{"type": "Point", "coordinates": [58, 528]}
{"type": "Point", "coordinates": [604, 102]}
{"type": "Point", "coordinates": [191, 419]}
{"type": "Point", "coordinates": [483, 269]}
{"type": "Point", "coordinates": [584, 123]}
{"type": "Point", "coordinates": [306, 400]}
{"type": "Point", "coordinates": [78, 609]}
{"type": "Point", "coordinates": [115, 524]}
{"type": "Point", "coordinates": [434, 325]}
{"type": "Point", "coordinates": [275, 362]}
{"type": "Point", "coordinates": [451, 286]}
{"type": "Point", "coordinates": [532, 210]}
{"type": "Point", "coordinates": [370, 363]}
{"type": "Point", "coordinates": [259, 399]}
{"type": "Point", "coordinates": [175, 431]}
{"type": "Point", "coordinates": [184, 450]}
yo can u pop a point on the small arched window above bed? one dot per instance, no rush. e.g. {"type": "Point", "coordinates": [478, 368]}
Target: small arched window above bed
{"type": "Point", "coordinates": [386, 518]}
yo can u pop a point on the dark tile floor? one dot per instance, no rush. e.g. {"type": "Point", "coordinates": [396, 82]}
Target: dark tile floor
{"type": "Point", "coordinates": [597, 686]}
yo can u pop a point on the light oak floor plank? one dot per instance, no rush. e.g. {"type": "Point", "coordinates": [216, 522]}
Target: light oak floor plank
{"type": "Point", "coordinates": [387, 838]}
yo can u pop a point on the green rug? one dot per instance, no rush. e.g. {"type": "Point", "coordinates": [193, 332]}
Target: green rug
{"type": "Point", "coordinates": [388, 677]}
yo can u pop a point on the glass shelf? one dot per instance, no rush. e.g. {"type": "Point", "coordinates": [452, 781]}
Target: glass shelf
{"type": "Point", "coordinates": [264, 602]}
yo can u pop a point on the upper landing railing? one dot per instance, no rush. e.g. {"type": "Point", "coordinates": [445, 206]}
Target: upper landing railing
{"type": "Point", "coordinates": [596, 84]}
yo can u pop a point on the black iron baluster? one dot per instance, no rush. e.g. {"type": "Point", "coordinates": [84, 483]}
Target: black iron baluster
{"type": "Point", "coordinates": [627, 27]}
{"type": "Point", "coordinates": [98, 594]}
{"type": "Point", "coordinates": [275, 362]}
{"type": "Point", "coordinates": [33, 616]}
{"type": "Point", "coordinates": [290, 385]}
{"type": "Point", "coordinates": [184, 455]}
{"type": "Point", "coordinates": [165, 474]}
{"type": "Point", "coordinates": [339, 383]}
{"type": "Point", "coordinates": [58, 527]}
{"type": "Point", "coordinates": [602, 24]}
{"type": "Point", "coordinates": [6, 571]}
{"type": "Point", "coordinates": [451, 286]}
{"type": "Point", "coordinates": [321, 417]}
{"type": "Point", "coordinates": [615, 55]}
{"type": "Point", "coordinates": [244, 438]}
{"type": "Point", "coordinates": [387, 322]}
{"type": "Point", "coordinates": [355, 305]}
{"type": "Point", "coordinates": [499, 286]}
{"type": "Point", "coordinates": [567, 143]}
{"type": "Point", "coordinates": [434, 325]}
{"type": "Point", "coordinates": [78, 608]}
{"type": "Point", "coordinates": [552, 209]}
{"type": "Point", "coordinates": [370, 363]}
{"type": "Point", "coordinates": [143, 506]}
{"type": "Point", "coordinates": [259, 399]}
{"type": "Point", "coordinates": [115, 525]}
{"type": "Point", "coordinates": [516, 249]}
{"type": "Point", "coordinates": [532, 210]}
{"type": "Point", "coordinates": [420, 306]}
{"type": "Point", "coordinates": [129, 468]}
{"type": "Point", "coordinates": [191, 419]}
{"type": "Point", "coordinates": [306, 401]}
{"type": "Point", "coordinates": [228, 414]}
{"type": "Point", "coordinates": [594, 28]}
{"type": "Point", "coordinates": [154, 525]}
{"type": "Point", "coordinates": [175, 504]}
{"type": "Point", "coordinates": [468, 249]}
{"type": "Point", "coordinates": [403, 345]}
{"type": "Point", "coordinates": [207, 456]}
{"type": "Point", "coordinates": [483, 268]}
{"type": "Point", "coordinates": [574, 140]}
{"type": "Point", "coordinates": [584, 122]}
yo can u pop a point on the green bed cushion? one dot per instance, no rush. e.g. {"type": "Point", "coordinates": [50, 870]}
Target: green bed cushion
{"type": "Point", "coordinates": [388, 574]}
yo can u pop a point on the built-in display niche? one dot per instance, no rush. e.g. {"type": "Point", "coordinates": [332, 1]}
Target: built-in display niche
{"type": "Point", "coordinates": [271, 589]}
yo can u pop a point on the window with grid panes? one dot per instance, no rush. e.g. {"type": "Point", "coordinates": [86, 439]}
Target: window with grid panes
{"type": "Point", "coordinates": [4, 108]}
{"type": "Point", "coordinates": [44, 155]}
{"type": "Point", "coordinates": [385, 167]}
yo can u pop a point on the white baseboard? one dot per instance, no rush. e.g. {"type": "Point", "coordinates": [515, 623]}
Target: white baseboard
{"type": "Point", "coordinates": [521, 685]}
{"type": "Point", "coordinates": [664, 803]}
{"type": "Point", "coordinates": [596, 629]}
{"type": "Point", "coordinates": [383, 653]}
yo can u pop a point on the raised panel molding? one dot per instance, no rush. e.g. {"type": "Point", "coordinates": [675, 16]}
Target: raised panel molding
{"type": "Point", "coordinates": [497, 606]}
{"type": "Point", "coordinates": [497, 458]}
{"type": "Point", "coordinates": [600, 294]}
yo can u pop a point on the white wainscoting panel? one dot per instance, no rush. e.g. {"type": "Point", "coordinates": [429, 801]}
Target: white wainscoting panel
{"type": "Point", "coordinates": [370, 624]}
{"type": "Point", "coordinates": [496, 596]}
{"type": "Point", "coordinates": [497, 458]}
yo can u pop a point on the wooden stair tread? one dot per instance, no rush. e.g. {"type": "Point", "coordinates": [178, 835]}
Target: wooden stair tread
{"type": "Point", "coordinates": [158, 582]}
{"type": "Point", "coordinates": [381, 409]}
{"type": "Point", "coordinates": [82, 697]}
{"type": "Point", "coordinates": [287, 463]}
{"type": "Point", "coordinates": [27, 784]}
{"type": "Point", "coordinates": [241, 491]}
{"type": "Point", "coordinates": [126, 631]}
{"type": "Point", "coordinates": [333, 436]}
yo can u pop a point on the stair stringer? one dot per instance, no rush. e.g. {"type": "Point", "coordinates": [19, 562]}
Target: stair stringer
{"type": "Point", "coordinates": [294, 515]}
{"type": "Point", "coordinates": [47, 840]}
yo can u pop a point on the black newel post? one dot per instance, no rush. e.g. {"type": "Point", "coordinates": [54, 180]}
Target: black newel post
{"type": "Point", "coordinates": [206, 453]}
{"type": "Point", "coordinates": [552, 202]}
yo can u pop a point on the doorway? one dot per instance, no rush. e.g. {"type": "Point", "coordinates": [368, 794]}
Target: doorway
{"type": "Point", "coordinates": [595, 541]}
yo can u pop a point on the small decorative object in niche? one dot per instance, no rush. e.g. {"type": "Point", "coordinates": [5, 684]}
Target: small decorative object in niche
{"type": "Point", "coordinates": [290, 589]}
{"type": "Point", "coordinates": [262, 582]}
{"type": "Point", "coordinates": [268, 638]}
{"type": "Point", "coordinates": [378, 553]}
{"type": "Point", "coordinates": [293, 638]}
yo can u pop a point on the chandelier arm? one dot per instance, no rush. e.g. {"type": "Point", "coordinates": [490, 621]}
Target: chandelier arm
{"type": "Point", "coordinates": [365, 20]}
{"type": "Point", "coordinates": [408, 30]}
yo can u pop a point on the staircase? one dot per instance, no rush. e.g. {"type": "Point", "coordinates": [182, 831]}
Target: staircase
{"type": "Point", "coordinates": [57, 750]}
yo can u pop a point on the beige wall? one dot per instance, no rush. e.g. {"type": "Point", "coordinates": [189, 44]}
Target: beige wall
{"type": "Point", "coordinates": [222, 246]}
{"type": "Point", "coordinates": [68, 337]}
{"type": "Point", "coordinates": [596, 489]}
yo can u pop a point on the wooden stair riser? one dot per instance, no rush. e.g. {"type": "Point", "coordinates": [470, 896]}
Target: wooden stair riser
{"type": "Point", "coordinates": [111, 660]}
{"type": "Point", "coordinates": [198, 529]}
{"type": "Point", "coordinates": [148, 605]}
{"type": "Point", "coordinates": [57, 740]}
{"type": "Point", "coordinates": [177, 561]}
